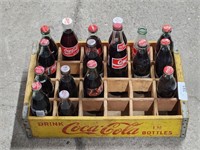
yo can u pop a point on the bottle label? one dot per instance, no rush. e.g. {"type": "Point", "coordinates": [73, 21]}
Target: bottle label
{"type": "Point", "coordinates": [50, 70]}
{"type": "Point", "coordinates": [70, 51]}
{"type": "Point", "coordinates": [119, 63]}
{"type": "Point", "coordinates": [96, 91]}
{"type": "Point", "coordinates": [121, 47]}
{"type": "Point", "coordinates": [39, 113]}
{"type": "Point", "coordinates": [99, 51]}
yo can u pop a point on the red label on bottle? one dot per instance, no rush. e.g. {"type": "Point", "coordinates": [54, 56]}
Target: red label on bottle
{"type": "Point", "coordinates": [99, 51]}
{"type": "Point", "coordinates": [96, 91]}
{"type": "Point", "coordinates": [70, 51]}
{"type": "Point", "coordinates": [50, 70]}
{"type": "Point", "coordinates": [119, 63]}
{"type": "Point", "coordinates": [121, 47]}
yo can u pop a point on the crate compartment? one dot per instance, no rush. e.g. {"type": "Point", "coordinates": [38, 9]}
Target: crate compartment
{"type": "Point", "coordinates": [118, 107]}
{"type": "Point", "coordinates": [117, 87]}
{"type": "Point", "coordinates": [74, 67]}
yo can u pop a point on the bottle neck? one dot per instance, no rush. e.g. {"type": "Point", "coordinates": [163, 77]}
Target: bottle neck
{"type": "Point", "coordinates": [165, 48]}
{"type": "Point", "coordinates": [142, 50]}
{"type": "Point", "coordinates": [92, 73]}
{"type": "Point", "coordinates": [168, 77]}
{"type": "Point", "coordinates": [117, 37]}
{"type": "Point", "coordinates": [93, 34]}
{"type": "Point", "coordinates": [46, 35]}
{"type": "Point", "coordinates": [67, 27]}
{"type": "Point", "coordinates": [65, 100]}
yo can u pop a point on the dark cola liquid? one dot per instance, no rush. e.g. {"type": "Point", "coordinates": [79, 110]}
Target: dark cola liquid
{"type": "Point", "coordinates": [98, 45]}
{"type": "Point", "coordinates": [93, 82]}
{"type": "Point", "coordinates": [69, 39]}
{"type": "Point", "coordinates": [66, 108]}
{"type": "Point", "coordinates": [141, 65]}
{"type": "Point", "coordinates": [47, 86]}
{"type": "Point", "coordinates": [112, 72]}
{"type": "Point", "coordinates": [92, 55]}
{"type": "Point", "coordinates": [53, 47]}
{"type": "Point", "coordinates": [124, 38]}
{"type": "Point", "coordinates": [67, 83]}
{"type": "Point", "coordinates": [164, 58]}
{"type": "Point", "coordinates": [40, 102]}
{"type": "Point", "coordinates": [166, 87]}
{"type": "Point", "coordinates": [47, 60]}
{"type": "Point", "coordinates": [164, 35]}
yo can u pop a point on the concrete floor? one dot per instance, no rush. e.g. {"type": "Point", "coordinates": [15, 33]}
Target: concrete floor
{"type": "Point", "coordinates": [20, 21]}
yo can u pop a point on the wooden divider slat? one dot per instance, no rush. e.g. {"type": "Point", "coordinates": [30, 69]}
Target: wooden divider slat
{"type": "Point", "coordinates": [154, 94]}
{"type": "Point", "coordinates": [166, 104]}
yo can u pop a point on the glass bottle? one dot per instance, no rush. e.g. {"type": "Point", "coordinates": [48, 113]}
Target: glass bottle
{"type": "Point", "coordinates": [69, 41]}
{"type": "Point", "coordinates": [67, 82]}
{"type": "Point", "coordinates": [65, 107]}
{"type": "Point", "coordinates": [167, 84]}
{"type": "Point", "coordinates": [47, 86]}
{"type": "Point", "coordinates": [40, 105]}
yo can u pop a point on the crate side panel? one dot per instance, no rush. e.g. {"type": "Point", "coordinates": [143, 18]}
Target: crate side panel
{"type": "Point", "coordinates": [105, 127]}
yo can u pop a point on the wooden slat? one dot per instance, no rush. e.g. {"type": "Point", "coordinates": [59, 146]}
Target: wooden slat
{"type": "Point", "coordinates": [105, 108]}
{"type": "Point", "coordinates": [142, 84]}
{"type": "Point", "coordinates": [30, 78]}
{"type": "Point", "coordinates": [155, 108]}
{"type": "Point", "coordinates": [92, 105]}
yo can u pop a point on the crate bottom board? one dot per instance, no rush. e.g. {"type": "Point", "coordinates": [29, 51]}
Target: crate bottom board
{"type": "Point", "coordinates": [131, 126]}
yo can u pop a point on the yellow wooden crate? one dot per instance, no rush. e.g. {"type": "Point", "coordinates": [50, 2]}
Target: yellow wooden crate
{"type": "Point", "coordinates": [132, 115]}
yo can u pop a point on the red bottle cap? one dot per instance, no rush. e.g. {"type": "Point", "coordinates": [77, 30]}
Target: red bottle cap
{"type": "Point", "coordinates": [64, 94]}
{"type": "Point", "coordinates": [45, 29]}
{"type": "Point", "coordinates": [67, 21]}
{"type": "Point", "coordinates": [36, 86]}
{"type": "Point", "coordinates": [92, 64]}
{"type": "Point", "coordinates": [166, 28]}
{"type": "Point", "coordinates": [39, 70]}
{"type": "Point", "coordinates": [93, 28]}
{"type": "Point", "coordinates": [65, 69]}
{"type": "Point", "coordinates": [168, 70]}
{"type": "Point", "coordinates": [44, 42]}
{"type": "Point", "coordinates": [165, 41]}
{"type": "Point", "coordinates": [142, 43]}
{"type": "Point", "coordinates": [117, 20]}
{"type": "Point", "coordinates": [117, 26]}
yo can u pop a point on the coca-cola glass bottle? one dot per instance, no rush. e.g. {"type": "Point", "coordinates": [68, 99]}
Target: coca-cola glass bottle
{"type": "Point", "coordinates": [47, 86]}
{"type": "Point", "coordinates": [141, 62]}
{"type": "Point", "coordinates": [93, 84]}
{"type": "Point", "coordinates": [46, 58]}
{"type": "Point", "coordinates": [92, 29]}
{"type": "Point", "coordinates": [45, 31]}
{"type": "Point", "coordinates": [67, 82]}
{"type": "Point", "coordinates": [91, 53]}
{"type": "Point", "coordinates": [117, 54]}
{"type": "Point", "coordinates": [164, 57]}
{"type": "Point", "coordinates": [118, 20]}
{"type": "Point", "coordinates": [40, 105]}
{"type": "Point", "coordinates": [166, 29]}
{"type": "Point", "coordinates": [69, 41]}
{"type": "Point", "coordinates": [142, 34]}
{"type": "Point", "coordinates": [167, 84]}
{"type": "Point", "coordinates": [65, 107]}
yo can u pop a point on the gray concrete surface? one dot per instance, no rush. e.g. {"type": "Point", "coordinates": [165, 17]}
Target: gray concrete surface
{"type": "Point", "coordinates": [20, 21]}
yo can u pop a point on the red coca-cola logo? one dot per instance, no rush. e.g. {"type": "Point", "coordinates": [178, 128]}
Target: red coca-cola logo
{"type": "Point", "coordinates": [70, 51]}
{"type": "Point", "coordinates": [121, 47]}
{"type": "Point", "coordinates": [99, 51]}
{"type": "Point", "coordinates": [119, 63]}
{"type": "Point", "coordinates": [50, 70]}
{"type": "Point", "coordinates": [122, 128]}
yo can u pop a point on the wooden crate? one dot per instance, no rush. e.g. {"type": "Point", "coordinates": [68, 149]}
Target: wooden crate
{"type": "Point", "coordinates": [132, 115]}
